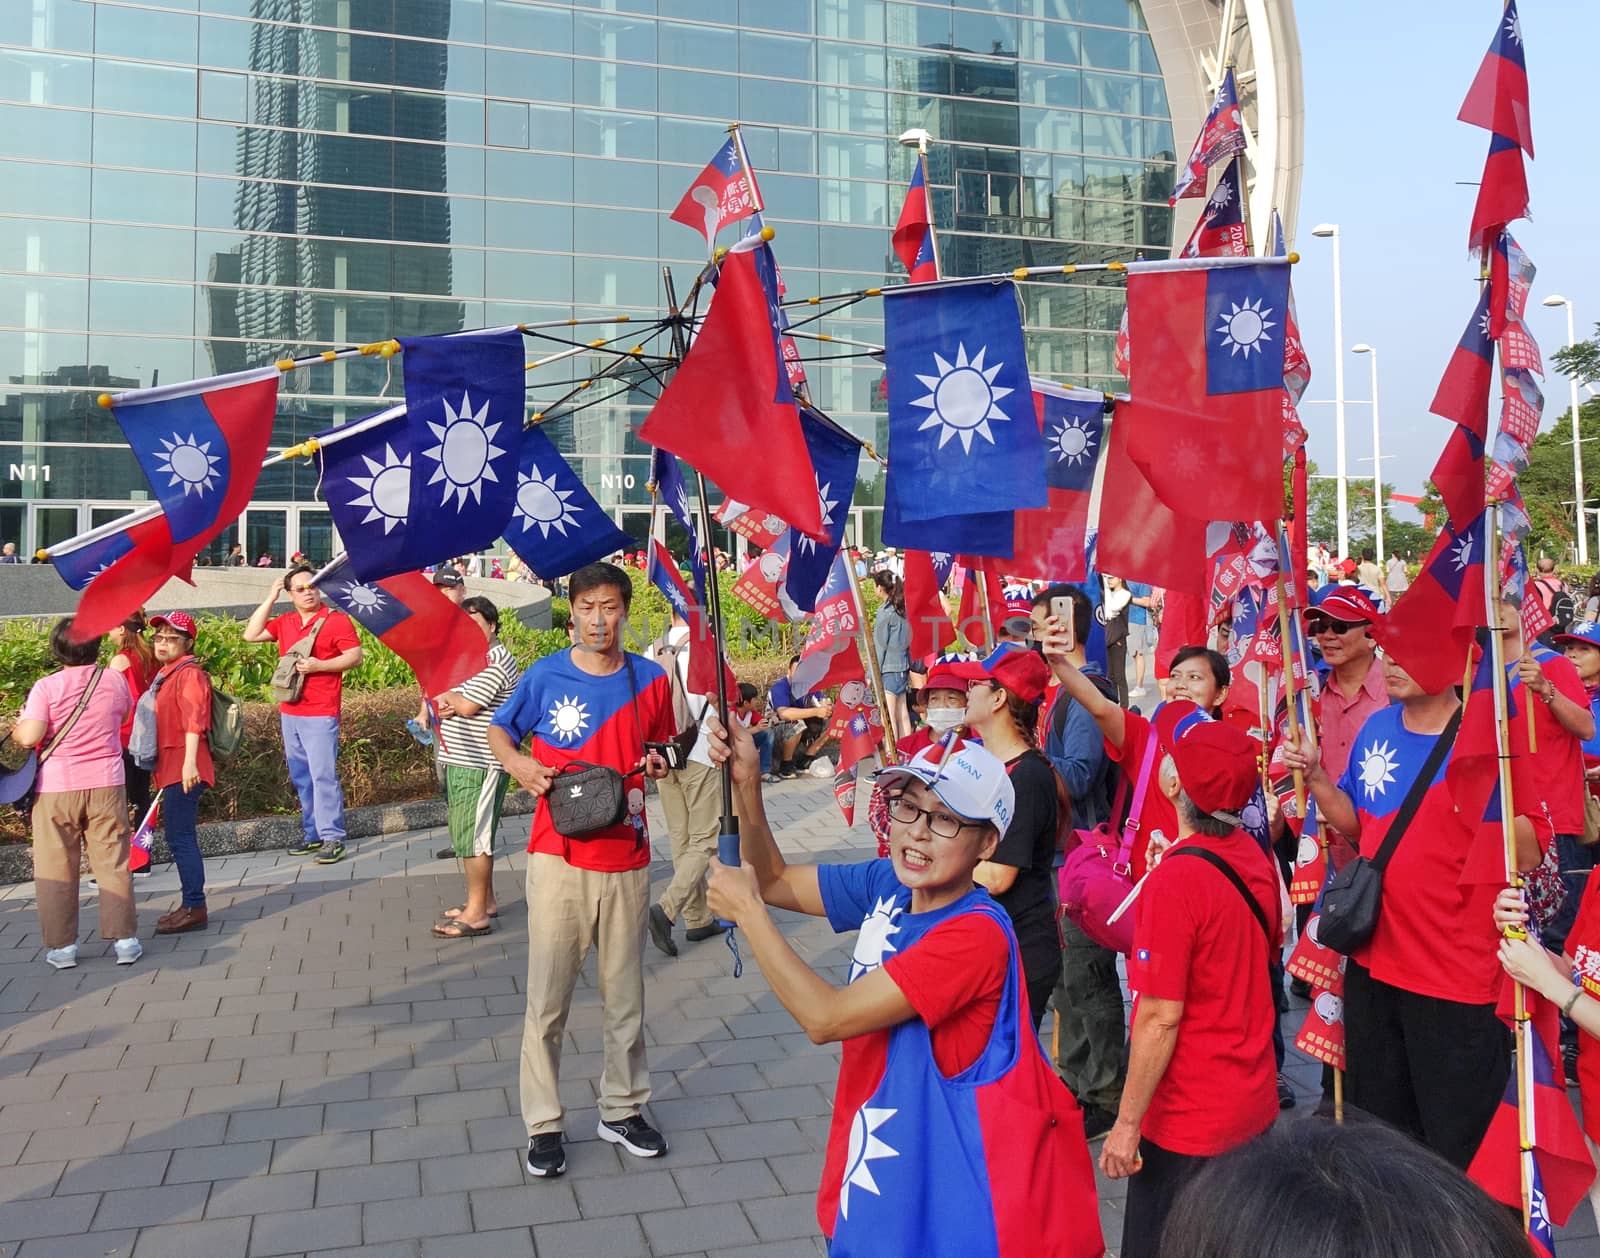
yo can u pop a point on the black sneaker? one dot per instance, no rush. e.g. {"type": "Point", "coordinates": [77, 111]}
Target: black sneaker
{"type": "Point", "coordinates": [633, 1134]}
{"type": "Point", "coordinates": [698, 933]}
{"type": "Point", "coordinates": [1286, 1099]}
{"type": "Point", "coordinates": [331, 854]}
{"type": "Point", "coordinates": [661, 931]}
{"type": "Point", "coordinates": [1097, 1122]}
{"type": "Point", "coordinates": [546, 1158]}
{"type": "Point", "coordinates": [306, 847]}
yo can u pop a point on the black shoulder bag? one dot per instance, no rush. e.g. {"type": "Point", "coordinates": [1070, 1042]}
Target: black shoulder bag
{"type": "Point", "coordinates": [1350, 904]}
{"type": "Point", "coordinates": [585, 799]}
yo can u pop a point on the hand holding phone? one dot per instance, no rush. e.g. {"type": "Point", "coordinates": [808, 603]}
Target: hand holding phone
{"type": "Point", "coordinates": [668, 752]}
{"type": "Point", "coordinates": [1065, 635]}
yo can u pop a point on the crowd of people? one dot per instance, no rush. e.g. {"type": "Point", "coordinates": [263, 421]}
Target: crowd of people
{"type": "Point", "coordinates": [1002, 768]}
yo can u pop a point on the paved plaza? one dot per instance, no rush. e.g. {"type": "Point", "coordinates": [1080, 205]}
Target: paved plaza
{"type": "Point", "coordinates": [317, 1073]}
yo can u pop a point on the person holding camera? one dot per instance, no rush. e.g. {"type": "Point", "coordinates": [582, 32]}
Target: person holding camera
{"type": "Point", "coordinates": [588, 714]}
{"type": "Point", "coordinates": [316, 647]}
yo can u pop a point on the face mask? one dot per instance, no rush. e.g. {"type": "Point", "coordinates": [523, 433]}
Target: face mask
{"type": "Point", "coordinates": [943, 720]}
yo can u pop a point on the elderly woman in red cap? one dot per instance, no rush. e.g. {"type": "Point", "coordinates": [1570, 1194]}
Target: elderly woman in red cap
{"type": "Point", "coordinates": [1004, 692]}
{"type": "Point", "coordinates": [183, 768]}
{"type": "Point", "coordinates": [1201, 1074]}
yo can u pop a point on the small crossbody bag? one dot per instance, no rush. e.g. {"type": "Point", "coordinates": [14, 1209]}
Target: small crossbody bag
{"type": "Point", "coordinates": [586, 799]}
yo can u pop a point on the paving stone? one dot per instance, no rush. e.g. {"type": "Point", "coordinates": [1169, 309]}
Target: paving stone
{"type": "Point", "coordinates": [36, 1179]}
{"type": "Point", "coordinates": [591, 1238]}
{"type": "Point", "coordinates": [116, 1170]}
{"type": "Point", "coordinates": [140, 1207]}
{"type": "Point", "coordinates": [527, 1205]}
{"type": "Point", "coordinates": [379, 1182]}
{"type": "Point", "coordinates": [49, 1216]}
{"type": "Point", "coordinates": [696, 1228]}
{"type": "Point", "coordinates": [758, 1140]}
{"type": "Point", "coordinates": [782, 1218]}
{"type": "Point", "coordinates": [427, 1140]}
{"type": "Point", "coordinates": [315, 1153]}
{"type": "Point", "coordinates": [367, 1115]}
{"type": "Point", "coordinates": [261, 1194]}
{"type": "Point", "coordinates": [296, 1231]}
{"type": "Point", "coordinates": [229, 1161]}
{"type": "Point", "coordinates": [106, 1245]}
{"type": "Point", "coordinates": [65, 1144]}
{"type": "Point", "coordinates": [726, 1181]}
{"type": "Point", "coordinates": [439, 1215]}
{"type": "Point", "coordinates": [177, 1133]}
{"type": "Point", "coordinates": [472, 1170]}
{"type": "Point", "coordinates": [628, 1194]}
{"type": "Point", "coordinates": [274, 1124]}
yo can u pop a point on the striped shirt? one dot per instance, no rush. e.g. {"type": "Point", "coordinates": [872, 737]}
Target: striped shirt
{"type": "Point", "coordinates": [464, 740]}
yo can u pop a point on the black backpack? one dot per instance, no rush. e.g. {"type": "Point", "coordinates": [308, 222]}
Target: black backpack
{"type": "Point", "coordinates": [1563, 607]}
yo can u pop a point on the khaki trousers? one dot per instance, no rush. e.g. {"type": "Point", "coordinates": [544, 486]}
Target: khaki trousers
{"type": "Point", "coordinates": [65, 824]}
{"type": "Point", "coordinates": [692, 799]}
{"type": "Point", "coordinates": [571, 910]}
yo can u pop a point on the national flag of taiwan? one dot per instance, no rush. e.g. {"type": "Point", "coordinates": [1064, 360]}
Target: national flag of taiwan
{"type": "Point", "coordinates": [981, 585]}
{"type": "Point", "coordinates": [443, 645]}
{"type": "Point", "coordinates": [988, 533]}
{"type": "Point", "coordinates": [856, 725]}
{"type": "Point", "coordinates": [557, 526]}
{"type": "Point", "coordinates": [835, 456]}
{"type": "Point", "coordinates": [81, 564]}
{"type": "Point", "coordinates": [788, 351]}
{"type": "Point", "coordinates": [962, 434]}
{"type": "Point", "coordinates": [1296, 364]}
{"type": "Point", "coordinates": [201, 446]}
{"type": "Point", "coordinates": [1220, 232]}
{"type": "Point", "coordinates": [701, 679]}
{"type": "Point", "coordinates": [1144, 539]}
{"type": "Point", "coordinates": [1463, 393]}
{"type": "Point", "coordinates": [1220, 138]}
{"type": "Point", "coordinates": [1430, 627]}
{"type": "Point", "coordinates": [913, 233]}
{"type": "Point", "coordinates": [829, 656]}
{"type": "Point", "coordinates": [1458, 475]}
{"type": "Point", "coordinates": [1502, 194]}
{"type": "Point", "coordinates": [721, 194]}
{"type": "Point", "coordinates": [719, 412]}
{"type": "Point", "coordinates": [672, 490]}
{"type": "Point", "coordinates": [928, 618]}
{"type": "Point", "coordinates": [1541, 1234]}
{"type": "Point", "coordinates": [1511, 274]}
{"type": "Point", "coordinates": [1498, 98]}
{"type": "Point", "coordinates": [1048, 542]}
{"type": "Point", "coordinates": [1206, 412]}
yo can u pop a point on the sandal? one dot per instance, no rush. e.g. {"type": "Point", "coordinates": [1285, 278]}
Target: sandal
{"type": "Point", "coordinates": [452, 914]}
{"type": "Point", "coordinates": [454, 928]}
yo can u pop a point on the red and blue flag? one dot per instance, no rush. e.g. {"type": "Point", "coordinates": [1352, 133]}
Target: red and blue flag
{"type": "Point", "coordinates": [557, 526]}
{"type": "Point", "coordinates": [913, 233]}
{"type": "Point", "coordinates": [1498, 98]}
{"type": "Point", "coordinates": [829, 656]}
{"type": "Point", "coordinates": [1430, 628]}
{"type": "Point", "coordinates": [406, 612]}
{"type": "Point", "coordinates": [1049, 542]}
{"type": "Point", "coordinates": [1511, 274]}
{"type": "Point", "coordinates": [926, 613]}
{"type": "Point", "coordinates": [1221, 137]}
{"type": "Point", "coordinates": [835, 457]}
{"type": "Point", "coordinates": [81, 564]}
{"type": "Point", "coordinates": [1502, 194]}
{"type": "Point", "coordinates": [1463, 393]}
{"type": "Point", "coordinates": [701, 678]}
{"type": "Point", "coordinates": [1458, 475]}
{"type": "Point", "coordinates": [1220, 233]}
{"type": "Point", "coordinates": [722, 193]}
{"type": "Point", "coordinates": [672, 490]}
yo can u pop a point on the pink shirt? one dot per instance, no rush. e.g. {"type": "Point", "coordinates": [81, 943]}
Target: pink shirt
{"type": "Point", "coordinates": [1339, 720]}
{"type": "Point", "coordinates": [90, 755]}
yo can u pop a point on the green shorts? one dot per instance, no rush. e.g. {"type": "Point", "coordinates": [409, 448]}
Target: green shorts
{"type": "Point", "coordinates": [475, 797]}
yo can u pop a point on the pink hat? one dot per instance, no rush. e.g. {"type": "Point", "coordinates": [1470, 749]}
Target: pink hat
{"type": "Point", "coordinates": [183, 622]}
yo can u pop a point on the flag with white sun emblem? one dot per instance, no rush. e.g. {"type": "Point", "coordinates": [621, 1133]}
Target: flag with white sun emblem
{"type": "Point", "coordinates": [834, 457]}
{"type": "Point", "coordinates": [962, 436]}
{"type": "Point", "coordinates": [556, 525]}
{"type": "Point", "coordinates": [1050, 543]}
{"type": "Point", "coordinates": [1205, 419]}
{"type": "Point", "coordinates": [443, 645]}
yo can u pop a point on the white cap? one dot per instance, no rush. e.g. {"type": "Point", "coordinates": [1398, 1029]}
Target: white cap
{"type": "Point", "coordinates": [972, 782]}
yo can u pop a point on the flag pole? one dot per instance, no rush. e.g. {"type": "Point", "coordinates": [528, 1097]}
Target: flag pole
{"type": "Point", "coordinates": [874, 670]}
{"type": "Point", "coordinates": [1493, 609]}
{"type": "Point", "coordinates": [927, 195]}
{"type": "Point", "coordinates": [744, 168]}
{"type": "Point", "coordinates": [1288, 677]}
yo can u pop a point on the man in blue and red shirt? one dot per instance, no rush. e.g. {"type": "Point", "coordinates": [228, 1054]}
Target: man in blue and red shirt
{"type": "Point", "coordinates": [596, 704]}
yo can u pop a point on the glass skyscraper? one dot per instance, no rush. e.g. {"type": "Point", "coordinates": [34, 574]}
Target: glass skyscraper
{"type": "Point", "coordinates": [192, 190]}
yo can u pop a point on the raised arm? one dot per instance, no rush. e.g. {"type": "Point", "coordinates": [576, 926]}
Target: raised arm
{"type": "Point", "coordinates": [255, 629]}
{"type": "Point", "coordinates": [1108, 716]}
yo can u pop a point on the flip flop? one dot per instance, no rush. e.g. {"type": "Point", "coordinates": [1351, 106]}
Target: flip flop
{"type": "Point", "coordinates": [452, 914]}
{"type": "Point", "coordinates": [455, 929]}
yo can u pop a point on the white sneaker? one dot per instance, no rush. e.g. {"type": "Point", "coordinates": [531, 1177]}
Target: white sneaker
{"type": "Point", "coordinates": [63, 958]}
{"type": "Point", "coordinates": [1136, 693]}
{"type": "Point", "coordinates": [128, 950]}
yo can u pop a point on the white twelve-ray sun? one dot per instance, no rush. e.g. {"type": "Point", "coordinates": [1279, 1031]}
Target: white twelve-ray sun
{"type": "Point", "coordinates": [361, 597]}
{"type": "Point", "coordinates": [1072, 441]}
{"type": "Point", "coordinates": [865, 1147]}
{"type": "Point", "coordinates": [963, 398]}
{"type": "Point", "coordinates": [1461, 553]}
{"type": "Point", "coordinates": [873, 943]}
{"type": "Point", "coordinates": [569, 718]}
{"type": "Point", "coordinates": [541, 502]}
{"type": "Point", "coordinates": [1244, 328]}
{"type": "Point", "coordinates": [826, 505]}
{"type": "Point", "coordinates": [465, 453]}
{"type": "Point", "coordinates": [1377, 768]}
{"type": "Point", "coordinates": [190, 463]}
{"type": "Point", "coordinates": [386, 489]}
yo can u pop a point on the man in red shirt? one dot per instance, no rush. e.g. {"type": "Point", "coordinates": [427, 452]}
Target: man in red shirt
{"type": "Point", "coordinates": [1201, 1074]}
{"type": "Point", "coordinates": [311, 724]}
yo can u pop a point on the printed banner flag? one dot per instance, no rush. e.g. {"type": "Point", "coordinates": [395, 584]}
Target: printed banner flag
{"type": "Point", "coordinates": [1221, 137]}
{"type": "Point", "coordinates": [1522, 406]}
{"type": "Point", "coordinates": [720, 194]}
{"type": "Point", "coordinates": [701, 675]}
{"type": "Point", "coordinates": [762, 583]}
{"type": "Point", "coordinates": [829, 656]}
{"type": "Point", "coordinates": [1511, 274]}
{"type": "Point", "coordinates": [762, 528]}
{"type": "Point", "coordinates": [1220, 233]}
{"type": "Point", "coordinates": [962, 435]}
{"type": "Point", "coordinates": [557, 526]}
{"type": "Point", "coordinates": [1048, 543]}
{"type": "Point", "coordinates": [443, 645]}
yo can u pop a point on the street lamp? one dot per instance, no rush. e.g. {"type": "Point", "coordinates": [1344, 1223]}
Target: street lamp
{"type": "Point", "coordinates": [1377, 455]}
{"type": "Point", "coordinates": [1577, 448]}
{"type": "Point", "coordinates": [1327, 231]}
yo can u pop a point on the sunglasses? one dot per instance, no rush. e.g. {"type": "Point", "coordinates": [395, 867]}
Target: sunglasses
{"type": "Point", "coordinates": [1325, 624]}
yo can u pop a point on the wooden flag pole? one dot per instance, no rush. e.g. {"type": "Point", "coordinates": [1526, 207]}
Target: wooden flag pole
{"type": "Point", "coordinates": [1288, 676]}
{"type": "Point", "coordinates": [870, 650]}
{"type": "Point", "coordinates": [1493, 608]}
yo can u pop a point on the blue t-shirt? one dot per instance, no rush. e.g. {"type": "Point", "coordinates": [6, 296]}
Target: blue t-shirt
{"type": "Point", "coordinates": [782, 695]}
{"type": "Point", "coordinates": [1138, 615]}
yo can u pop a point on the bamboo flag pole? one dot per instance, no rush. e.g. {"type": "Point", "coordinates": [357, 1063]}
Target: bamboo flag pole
{"type": "Point", "coordinates": [1288, 676]}
{"type": "Point", "coordinates": [870, 648]}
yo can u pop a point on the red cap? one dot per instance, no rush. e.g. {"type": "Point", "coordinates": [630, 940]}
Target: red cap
{"type": "Point", "coordinates": [1345, 602]}
{"type": "Point", "coordinates": [1021, 671]}
{"type": "Point", "coordinates": [1216, 763]}
{"type": "Point", "coordinates": [183, 622]}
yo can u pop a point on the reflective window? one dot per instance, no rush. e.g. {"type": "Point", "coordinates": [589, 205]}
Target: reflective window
{"type": "Point", "coordinates": [613, 84]}
{"type": "Point", "coordinates": [776, 55]}
{"type": "Point", "coordinates": [694, 93]}
{"type": "Point", "coordinates": [144, 88]}
{"type": "Point", "coordinates": [223, 96]}
{"type": "Point", "coordinates": [1113, 93]}
{"type": "Point", "coordinates": [46, 78]}
{"type": "Point", "coordinates": [54, 134]}
{"type": "Point", "coordinates": [40, 245]}
{"type": "Point", "coordinates": [35, 188]}
{"type": "Point", "coordinates": [616, 38]}
{"type": "Point", "coordinates": [143, 252]}
{"type": "Point", "coordinates": [599, 134]}
{"type": "Point", "coordinates": [36, 301]}
{"type": "Point", "coordinates": [698, 47]}
{"type": "Point", "coordinates": [539, 27]}
{"type": "Point", "coordinates": [64, 24]}
{"type": "Point", "coordinates": [778, 17]}
{"type": "Point", "coordinates": [725, 11]}
{"type": "Point", "coordinates": [145, 33]}
{"type": "Point", "coordinates": [156, 144]}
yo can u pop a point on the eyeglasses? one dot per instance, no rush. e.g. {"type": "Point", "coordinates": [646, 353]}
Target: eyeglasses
{"type": "Point", "coordinates": [942, 825]}
{"type": "Point", "coordinates": [1323, 624]}
{"type": "Point", "coordinates": [981, 683]}
{"type": "Point", "coordinates": [302, 589]}
{"type": "Point", "coordinates": [170, 637]}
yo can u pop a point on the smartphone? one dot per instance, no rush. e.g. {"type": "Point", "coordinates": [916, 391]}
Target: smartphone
{"type": "Point", "coordinates": [668, 752]}
{"type": "Point", "coordinates": [1062, 609]}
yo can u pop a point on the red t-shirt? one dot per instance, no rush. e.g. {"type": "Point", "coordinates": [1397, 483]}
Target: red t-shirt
{"type": "Point", "coordinates": [1196, 941]}
{"type": "Point", "coordinates": [568, 715]}
{"type": "Point", "coordinates": [1158, 812]}
{"type": "Point", "coordinates": [183, 706]}
{"type": "Point", "coordinates": [322, 691]}
{"type": "Point", "coordinates": [1558, 764]}
{"type": "Point", "coordinates": [1583, 946]}
{"type": "Point", "coordinates": [138, 682]}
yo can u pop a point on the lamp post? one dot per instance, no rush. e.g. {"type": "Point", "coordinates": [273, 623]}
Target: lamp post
{"type": "Point", "coordinates": [1327, 231]}
{"type": "Point", "coordinates": [1577, 445]}
{"type": "Point", "coordinates": [1377, 453]}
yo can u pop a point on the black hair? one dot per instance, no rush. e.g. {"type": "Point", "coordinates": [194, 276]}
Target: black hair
{"type": "Point", "coordinates": [600, 575]}
{"type": "Point", "coordinates": [793, 660]}
{"type": "Point", "coordinates": [1220, 672]}
{"type": "Point", "coordinates": [1082, 607]}
{"type": "Point", "coordinates": [68, 653]}
{"type": "Point", "coordinates": [1367, 554]}
{"type": "Point", "coordinates": [486, 609]}
{"type": "Point", "coordinates": [294, 570]}
{"type": "Point", "coordinates": [1318, 1189]}
{"type": "Point", "coordinates": [747, 691]}
{"type": "Point", "coordinates": [892, 588]}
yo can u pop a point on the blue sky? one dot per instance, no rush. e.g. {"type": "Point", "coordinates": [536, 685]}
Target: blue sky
{"type": "Point", "coordinates": [1383, 154]}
